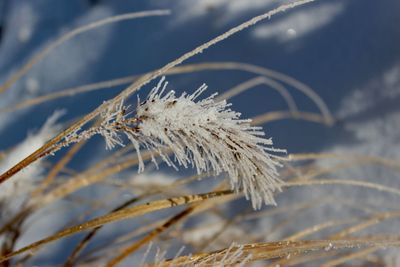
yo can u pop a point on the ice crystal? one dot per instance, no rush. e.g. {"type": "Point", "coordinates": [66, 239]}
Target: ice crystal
{"type": "Point", "coordinates": [203, 134]}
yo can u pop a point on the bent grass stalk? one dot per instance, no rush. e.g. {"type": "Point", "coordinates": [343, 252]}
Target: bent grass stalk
{"type": "Point", "coordinates": [240, 88]}
{"type": "Point", "coordinates": [348, 182]}
{"type": "Point", "coordinates": [191, 68]}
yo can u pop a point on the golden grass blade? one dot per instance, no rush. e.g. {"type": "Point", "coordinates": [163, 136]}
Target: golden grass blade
{"type": "Point", "coordinates": [369, 185]}
{"type": "Point", "coordinates": [281, 115]}
{"type": "Point", "coordinates": [373, 220]}
{"type": "Point", "coordinates": [351, 256]}
{"type": "Point", "coordinates": [118, 216]}
{"type": "Point", "coordinates": [243, 87]}
{"type": "Point", "coordinates": [319, 227]}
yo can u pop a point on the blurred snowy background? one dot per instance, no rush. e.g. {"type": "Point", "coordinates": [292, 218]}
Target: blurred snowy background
{"type": "Point", "coordinates": [347, 51]}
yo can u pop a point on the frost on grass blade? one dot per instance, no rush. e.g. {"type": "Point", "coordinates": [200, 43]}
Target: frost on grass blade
{"type": "Point", "coordinates": [210, 137]}
{"type": "Point", "coordinates": [203, 134]}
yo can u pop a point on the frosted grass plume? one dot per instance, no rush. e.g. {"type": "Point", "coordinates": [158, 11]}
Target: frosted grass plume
{"type": "Point", "coordinates": [203, 134]}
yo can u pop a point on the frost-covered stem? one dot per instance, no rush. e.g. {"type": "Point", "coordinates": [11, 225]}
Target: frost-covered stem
{"type": "Point", "coordinates": [51, 145]}
{"type": "Point", "coordinates": [158, 73]}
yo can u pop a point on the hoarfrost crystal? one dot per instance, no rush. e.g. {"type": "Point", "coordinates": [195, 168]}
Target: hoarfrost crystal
{"type": "Point", "coordinates": [204, 134]}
